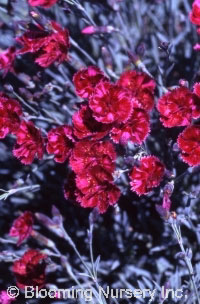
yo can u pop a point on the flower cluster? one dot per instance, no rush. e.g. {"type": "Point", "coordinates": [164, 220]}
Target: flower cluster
{"type": "Point", "coordinates": [116, 109]}
{"type": "Point", "coordinates": [94, 162]}
{"type": "Point", "coordinates": [30, 142]}
{"type": "Point", "coordinates": [120, 110]}
{"type": "Point", "coordinates": [178, 108]}
{"type": "Point", "coordinates": [48, 44]}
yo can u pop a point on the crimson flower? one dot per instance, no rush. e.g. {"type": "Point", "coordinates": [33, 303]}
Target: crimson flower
{"type": "Point", "coordinates": [189, 144]}
{"type": "Point", "coordinates": [147, 175]}
{"type": "Point", "coordinates": [136, 129]}
{"type": "Point", "coordinates": [111, 103]}
{"type": "Point", "coordinates": [177, 108]}
{"type": "Point", "coordinates": [4, 297]}
{"type": "Point", "coordinates": [88, 154]}
{"type": "Point", "coordinates": [60, 143]}
{"type": "Point", "coordinates": [29, 143]}
{"type": "Point", "coordinates": [10, 112]}
{"type": "Point", "coordinates": [43, 3]}
{"type": "Point", "coordinates": [86, 80]}
{"type": "Point", "coordinates": [195, 13]}
{"type": "Point", "coordinates": [48, 46]}
{"type": "Point", "coordinates": [7, 59]}
{"type": "Point", "coordinates": [141, 86]}
{"type": "Point", "coordinates": [30, 269]}
{"type": "Point", "coordinates": [96, 189]}
{"type": "Point", "coordinates": [22, 227]}
{"type": "Point", "coordinates": [85, 126]}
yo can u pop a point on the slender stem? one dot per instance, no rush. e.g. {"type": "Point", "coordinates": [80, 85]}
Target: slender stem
{"type": "Point", "coordinates": [91, 248]}
{"type": "Point", "coordinates": [43, 119]}
{"type": "Point", "coordinates": [69, 240]}
{"type": "Point", "coordinates": [73, 42]}
{"type": "Point", "coordinates": [187, 260]}
{"type": "Point", "coordinates": [7, 193]}
{"type": "Point", "coordinates": [25, 103]}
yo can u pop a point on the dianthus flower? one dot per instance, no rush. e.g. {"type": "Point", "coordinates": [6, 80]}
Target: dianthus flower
{"type": "Point", "coordinates": [136, 129]}
{"type": "Point", "coordinates": [88, 154]}
{"type": "Point", "coordinates": [7, 59]}
{"type": "Point", "coordinates": [96, 189]}
{"type": "Point", "coordinates": [4, 298]}
{"type": "Point", "coordinates": [86, 80]}
{"type": "Point", "coordinates": [10, 112]}
{"type": "Point", "coordinates": [177, 108]}
{"type": "Point", "coordinates": [85, 126]}
{"type": "Point", "coordinates": [111, 103]}
{"type": "Point", "coordinates": [147, 175]}
{"type": "Point", "coordinates": [189, 144]}
{"type": "Point", "coordinates": [60, 143]}
{"type": "Point", "coordinates": [43, 3]}
{"type": "Point", "coordinates": [29, 143]}
{"type": "Point", "coordinates": [48, 46]}
{"type": "Point", "coordinates": [141, 86]}
{"type": "Point", "coordinates": [195, 13]}
{"type": "Point", "coordinates": [30, 269]}
{"type": "Point", "coordinates": [22, 227]}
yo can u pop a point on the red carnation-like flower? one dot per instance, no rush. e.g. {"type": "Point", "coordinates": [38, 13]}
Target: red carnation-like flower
{"type": "Point", "coordinates": [177, 108]}
{"type": "Point", "coordinates": [96, 189]}
{"type": "Point", "coordinates": [5, 298]}
{"type": "Point", "coordinates": [10, 112]}
{"type": "Point", "coordinates": [7, 59]}
{"type": "Point", "coordinates": [141, 86]}
{"type": "Point", "coordinates": [30, 269]}
{"type": "Point", "coordinates": [136, 129]}
{"type": "Point", "coordinates": [147, 175]}
{"type": "Point", "coordinates": [88, 154]}
{"type": "Point", "coordinates": [189, 143]}
{"type": "Point", "coordinates": [43, 3]}
{"type": "Point", "coordinates": [86, 80]}
{"type": "Point", "coordinates": [195, 13]}
{"type": "Point", "coordinates": [29, 143]}
{"type": "Point", "coordinates": [86, 126]}
{"type": "Point", "coordinates": [60, 143]}
{"type": "Point", "coordinates": [111, 103]}
{"type": "Point", "coordinates": [48, 46]}
{"type": "Point", "coordinates": [22, 227]}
